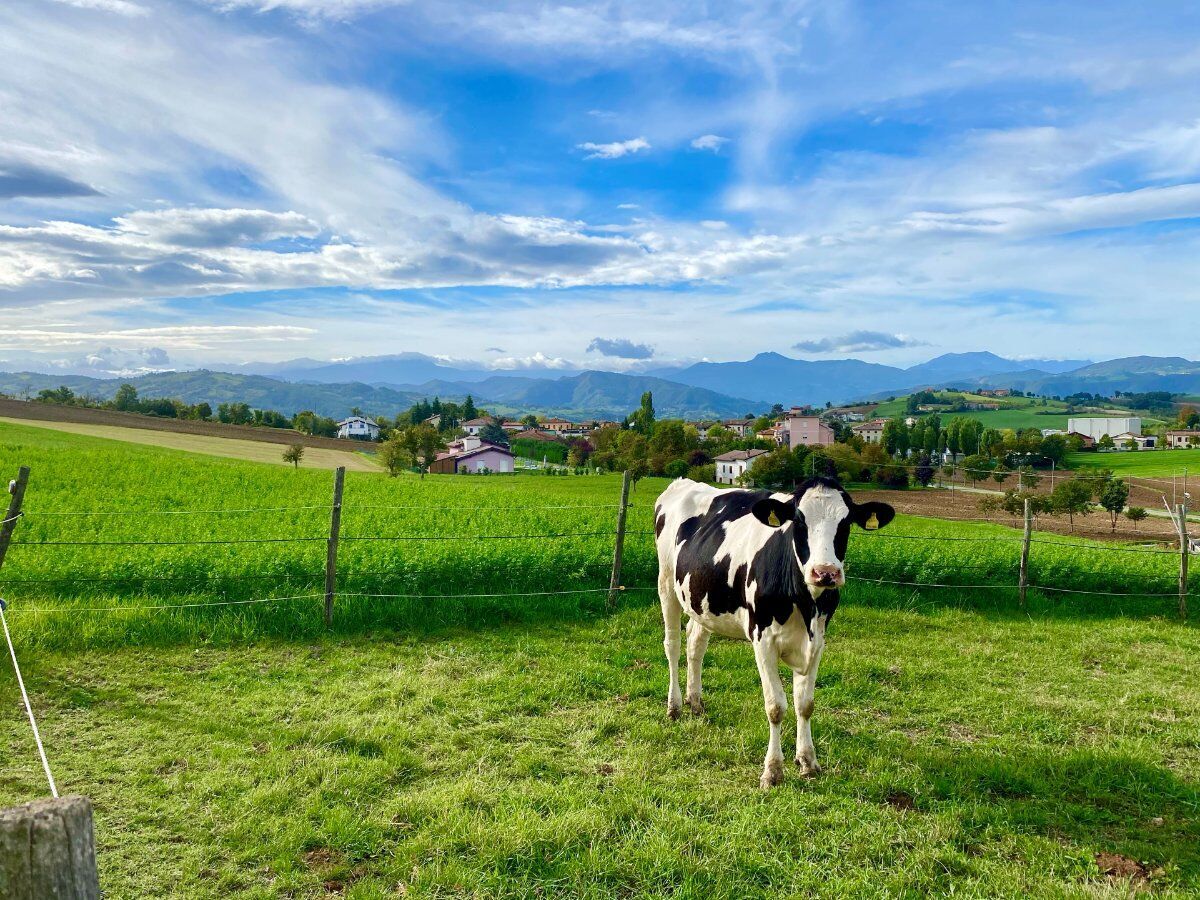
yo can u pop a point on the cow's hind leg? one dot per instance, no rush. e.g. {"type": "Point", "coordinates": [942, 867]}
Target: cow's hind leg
{"type": "Point", "coordinates": [775, 700]}
{"type": "Point", "coordinates": [697, 643]}
{"type": "Point", "coordinates": [672, 614]}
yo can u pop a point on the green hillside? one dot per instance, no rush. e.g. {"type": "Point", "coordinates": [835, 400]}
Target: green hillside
{"type": "Point", "coordinates": [1147, 462]}
{"type": "Point", "coordinates": [1015, 412]}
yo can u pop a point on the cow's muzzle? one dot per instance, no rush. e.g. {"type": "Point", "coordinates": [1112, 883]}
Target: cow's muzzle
{"type": "Point", "coordinates": [826, 576]}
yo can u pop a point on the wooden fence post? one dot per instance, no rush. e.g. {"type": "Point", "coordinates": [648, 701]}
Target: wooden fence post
{"type": "Point", "coordinates": [17, 489]}
{"type": "Point", "coordinates": [1183, 560]}
{"type": "Point", "coordinates": [335, 527]}
{"type": "Point", "coordinates": [1025, 552]}
{"type": "Point", "coordinates": [48, 850]}
{"type": "Point", "coordinates": [614, 583]}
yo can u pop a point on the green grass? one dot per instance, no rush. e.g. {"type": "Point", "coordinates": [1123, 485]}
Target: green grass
{"type": "Point", "coordinates": [54, 589]}
{"type": "Point", "coordinates": [518, 747]}
{"type": "Point", "coordinates": [1016, 413]}
{"type": "Point", "coordinates": [536, 760]}
{"type": "Point", "coordinates": [1144, 462]}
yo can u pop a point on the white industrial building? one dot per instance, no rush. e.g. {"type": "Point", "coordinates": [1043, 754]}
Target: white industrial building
{"type": "Point", "coordinates": [1097, 427]}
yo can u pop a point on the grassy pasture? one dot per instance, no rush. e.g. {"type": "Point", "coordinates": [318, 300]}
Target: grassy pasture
{"type": "Point", "coordinates": [517, 746]}
{"type": "Point", "coordinates": [1015, 413]}
{"type": "Point", "coordinates": [980, 753]}
{"type": "Point", "coordinates": [138, 487]}
{"type": "Point", "coordinates": [1143, 462]}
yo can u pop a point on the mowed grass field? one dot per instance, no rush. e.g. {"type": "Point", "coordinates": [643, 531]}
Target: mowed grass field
{"type": "Point", "coordinates": [252, 451]}
{"type": "Point", "coordinates": [517, 745]}
{"type": "Point", "coordinates": [1154, 463]}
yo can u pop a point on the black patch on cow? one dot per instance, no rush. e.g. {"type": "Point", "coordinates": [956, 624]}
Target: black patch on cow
{"type": "Point", "coordinates": [779, 582]}
{"type": "Point", "coordinates": [659, 524]}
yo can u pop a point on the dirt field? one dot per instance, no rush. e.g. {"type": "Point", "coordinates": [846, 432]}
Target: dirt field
{"type": "Point", "coordinates": [255, 451]}
{"type": "Point", "coordinates": [49, 412]}
{"type": "Point", "coordinates": [962, 504]}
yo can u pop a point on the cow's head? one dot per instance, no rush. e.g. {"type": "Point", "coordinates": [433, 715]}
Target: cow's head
{"type": "Point", "coordinates": [822, 512]}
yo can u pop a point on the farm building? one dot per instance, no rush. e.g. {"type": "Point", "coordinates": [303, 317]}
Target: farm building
{"type": "Point", "coordinates": [563, 427]}
{"type": "Point", "coordinates": [1144, 442]}
{"type": "Point", "coordinates": [1086, 440]}
{"type": "Point", "coordinates": [732, 464]}
{"type": "Point", "coordinates": [871, 432]}
{"type": "Point", "coordinates": [1097, 427]}
{"type": "Point", "coordinates": [807, 430]}
{"type": "Point", "coordinates": [472, 455]}
{"type": "Point", "coordinates": [1182, 438]}
{"type": "Point", "coordinates": [359, 428]}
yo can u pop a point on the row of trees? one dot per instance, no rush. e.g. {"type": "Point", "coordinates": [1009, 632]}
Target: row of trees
{"type": "Point", "coordinates": [1070, 497]}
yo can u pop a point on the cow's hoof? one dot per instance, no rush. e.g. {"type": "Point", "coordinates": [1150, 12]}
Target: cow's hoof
{"type": "Point", "coordinates": [809, 768]}
{"type": "Point", "coordinates": [772, 775]}
{"type": "Point", "coordinates": [674, 711]}
{"type": "Point", "coordinates": [696, 706]}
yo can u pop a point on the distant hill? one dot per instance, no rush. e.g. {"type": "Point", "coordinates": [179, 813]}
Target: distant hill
{"type": "Point", "coordinates": [775, 378]}
{"type": "Point", "coordinates": [224, 387]}
{"type": "Point", "coordinates": [1133, 373]}
{"type": "Point", "coordinates": [387, 371]}
{"type": "Point", "coordinates": [603, 395]}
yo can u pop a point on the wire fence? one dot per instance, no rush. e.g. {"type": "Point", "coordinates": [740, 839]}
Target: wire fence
{"type": "Point", "coordinates": [377, 583]}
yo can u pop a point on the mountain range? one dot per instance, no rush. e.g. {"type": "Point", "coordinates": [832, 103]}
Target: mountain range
{"type": "Point", "coordinates": [385, 385]}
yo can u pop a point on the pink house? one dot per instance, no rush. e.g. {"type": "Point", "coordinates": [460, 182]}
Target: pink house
{"type": "Point", "coordinates": [472, 456]}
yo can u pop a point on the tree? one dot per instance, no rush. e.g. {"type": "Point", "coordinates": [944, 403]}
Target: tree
{"type": "Point", "coordinates": [1054, 448]}
{"type": "Point", "coordinates": [468, 410]}
{"type": "Point", "coordinates": [642, 420]}
{"type": "Point", "coordinates": [1112, 496]}
{"type": "Point", "coordinates": [293, 453]}
{"type": "Point", "coordinates": [203, 411]}
{"type": "Point", "coordinates": [924, 471]}
{"type": "Point", "coordinates": [494, 434]}
{"type": "Point", "coordinates": [1072, 497]}
{"type": "Point", "coordinates": [1136, 515]}
{"type": "Point", "coordinates": [894, 437]}
{"type": "Point", "coordinates": [126, 398]}
{"type": "Point", "coordinates": [529, 421]}
{"type": "Point", "coordinates": [988, 504]}
{"type": "Point", "coordinates": [394, 455]}
{"type": "Point", "coordinates": [422, 443]}
{"type": "Point", "coordinates": [1105, 443]}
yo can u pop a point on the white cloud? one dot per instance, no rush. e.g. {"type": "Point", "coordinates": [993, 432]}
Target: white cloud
{"type": "Point", "coordinates": [121, 7]}
{"type": "Point", "coordinates": [712, 142]}
{"type": "Point", "coordinates": [537, 360]}
{"type": "Point", "coordinates": [616, 149]}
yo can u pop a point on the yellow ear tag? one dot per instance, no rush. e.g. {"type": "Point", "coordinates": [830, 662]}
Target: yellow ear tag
{"type": "Point", "coordinates": [773, 520]}
{"type": "Point", "coordinates": [872, 522]}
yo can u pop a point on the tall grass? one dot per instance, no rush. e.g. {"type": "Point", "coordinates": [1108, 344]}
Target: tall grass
{"type": "Point", "coordinates": [510, 535]}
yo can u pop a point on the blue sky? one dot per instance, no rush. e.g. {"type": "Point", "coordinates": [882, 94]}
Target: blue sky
{"type": "Point", "coordinates": [532, 184]}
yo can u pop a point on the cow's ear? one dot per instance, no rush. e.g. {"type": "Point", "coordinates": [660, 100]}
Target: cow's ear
{"type": "Point", "coordinates": [872, 515]}
{"type": "Point", "coordinates": [773, 512]}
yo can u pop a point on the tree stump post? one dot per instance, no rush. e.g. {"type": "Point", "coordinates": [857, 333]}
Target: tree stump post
{"type": "Point", "coordinates": [48, 851]}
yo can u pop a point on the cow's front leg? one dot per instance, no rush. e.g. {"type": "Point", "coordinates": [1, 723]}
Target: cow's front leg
{"type": "Point", "coordinates": [697, 643]}
{"type": "Point", "coordinates": [671, 645]}
{"type": "Point", "coordinates": [775, 701]}
{"type": "Point", "coordinates": [804, 683]}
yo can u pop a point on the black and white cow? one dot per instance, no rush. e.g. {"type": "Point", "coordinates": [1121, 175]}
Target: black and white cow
{"type": "Point", "coordinates": [760, 567]}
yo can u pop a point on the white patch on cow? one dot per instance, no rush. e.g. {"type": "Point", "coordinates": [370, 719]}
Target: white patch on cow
{"type": "Point", "coordinates": [823, 509]}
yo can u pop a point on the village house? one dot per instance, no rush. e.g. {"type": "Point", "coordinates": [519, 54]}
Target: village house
{"type": "Point", "coordinates": [809, 431]}
{"type": "Point", "coordinates": [1143, 441]}
{"type": "Point", "coordinates": [768, 434]}
{"type": "Point", "coordinates": [740, 427]}
{"type": "Point", "coordinates": [471, 455]}
{"type": "Point", "coordinates": [474, 426]}
{"type": "Point", "coordinates": [995, 392]}
{"type": "Point", "coordinates": [510, 425]}
{"type": "Point", "coordinates": [847, 415]}
{"type": "Point", "coordinates": [871, 432]}
{"type": "Point", "coordinates": [1178, 439]}
{"type": "Point", "coordinates": [358, 428]}
{"type": "Point", "coordinates": [1086, 440]}
{"type": "Point", "coordinates": [734, 463]}
{"type": "Point", "coordinates": [562, 427]}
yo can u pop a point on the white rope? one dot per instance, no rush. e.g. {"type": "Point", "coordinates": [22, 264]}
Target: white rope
{"type": "Point", "coordinates": [11, 518]}
{"type": "Point", "coordinates": [172, 512]}
{"type": "Point", "coordinates": [25, 697]}
{"type": "Point", "coordinates": [481, 596]}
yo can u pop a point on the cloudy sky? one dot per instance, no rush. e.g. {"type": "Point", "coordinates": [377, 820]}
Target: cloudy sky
{"type": "Point", "coordinates": [614, 184]}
